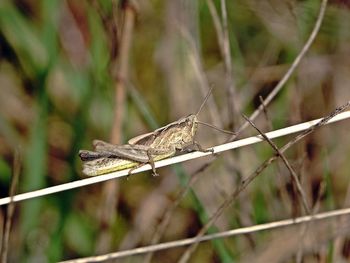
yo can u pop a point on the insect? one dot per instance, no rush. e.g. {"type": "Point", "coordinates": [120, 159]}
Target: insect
{"type": "Point", "coordinates": [162, 143]}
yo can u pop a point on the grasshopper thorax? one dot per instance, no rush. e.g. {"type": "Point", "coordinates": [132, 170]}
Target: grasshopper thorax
{"type": "Point", "coordinates": [188, 128]}
{"type": "Point", "coordinates": [178, 134]}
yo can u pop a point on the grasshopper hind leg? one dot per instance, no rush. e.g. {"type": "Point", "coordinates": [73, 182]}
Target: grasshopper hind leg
{"type": "Point", "coordinates": [150, 161]}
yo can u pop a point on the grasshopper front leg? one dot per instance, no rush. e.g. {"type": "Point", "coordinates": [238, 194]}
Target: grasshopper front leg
{"type": "Point", "coordinates": [197, 146]}
{"type": "Point", "coordinates": [201, 149]}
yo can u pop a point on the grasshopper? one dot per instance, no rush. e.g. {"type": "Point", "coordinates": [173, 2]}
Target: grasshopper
{"type": "Point", "coordinates": [162, 143]}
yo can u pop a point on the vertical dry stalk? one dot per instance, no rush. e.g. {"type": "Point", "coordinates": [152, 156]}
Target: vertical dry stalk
{"type": "Point", "coordinates": [221, 28]}
{"type": "Point", "coordinates": [230, 86]}
{"type": "Point", "coordinates": [122, 71]}
{"type": "Point", "coordinates": [10, 207]}
{"type": "Point", "coordinates": [121, 75]}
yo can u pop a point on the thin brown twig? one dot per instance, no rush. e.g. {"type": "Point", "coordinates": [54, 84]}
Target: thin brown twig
{"type": "Point", "coordinates": [11, 206]}
{"type": "Point", "coordinates": [284, 194]}
{"type": "Point", "coordinates": [287, 164]}
{"type": "Point", "coordinates": [187, 254]}
{"type": "Point", "coordinates": [297, 183]}
{"type": "Point", "coordinates": [268, 120]}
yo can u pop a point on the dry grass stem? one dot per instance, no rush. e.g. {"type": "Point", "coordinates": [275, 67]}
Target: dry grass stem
{"type": "Point", "coordinates": [241, 231]}
{"type": "Point", "coordinates": [287, 164]}
{"type": "Point", "coordinates": [110, 189]}
{"type": "Point", "coordinates": [177, 159]}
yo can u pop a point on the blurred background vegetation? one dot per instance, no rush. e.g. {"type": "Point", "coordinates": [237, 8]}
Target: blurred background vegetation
{"type": "Point", "coordinates": [62, 66]}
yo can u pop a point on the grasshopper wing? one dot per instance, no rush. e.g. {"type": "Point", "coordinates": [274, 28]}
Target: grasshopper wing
{"type": "Point", "coordinates": [136, 153]}
{"type": "Point", "coordinates": [102, 144]}
{"type": "Point", "coordinates": [143, 139]}
{"type": "Point", "coordinates": [148, 138]}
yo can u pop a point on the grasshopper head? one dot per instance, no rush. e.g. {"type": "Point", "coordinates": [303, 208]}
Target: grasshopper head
{"type": "Point", "coordinates": [192, 124]}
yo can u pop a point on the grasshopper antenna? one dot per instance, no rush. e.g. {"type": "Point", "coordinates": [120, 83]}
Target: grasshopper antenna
{"type": "Point", "coordinates": [205, 100]}
{"type": "Point", "coordinates": [216, 128]}
{"type": "Point", "coordinates": [207, 124]}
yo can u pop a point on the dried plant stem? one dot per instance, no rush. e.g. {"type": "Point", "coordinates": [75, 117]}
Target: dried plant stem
{"type": "Point", "coordinates": [110, 189]}
{"type": "Point", "coordinates": [11, 206]}
{"type": "Point", "coordinates": [234, 232]}
{"type": "Point", "coordinates": [230, 84]}
{"type": "Point", "coordinates": [217, 24]}
{"type": "Point", "coordinates": [186, 256]}
{"type": "Point", "coordinates": [122, 70]}
{"type": "Point", "coordinates": [221, 28]}
{"type": "Point", "coordinates": [283, 191]}
{"type": "Point", "coordinates": [177, 159]}
{"type": "Point", "coordinates": [287, 164]}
